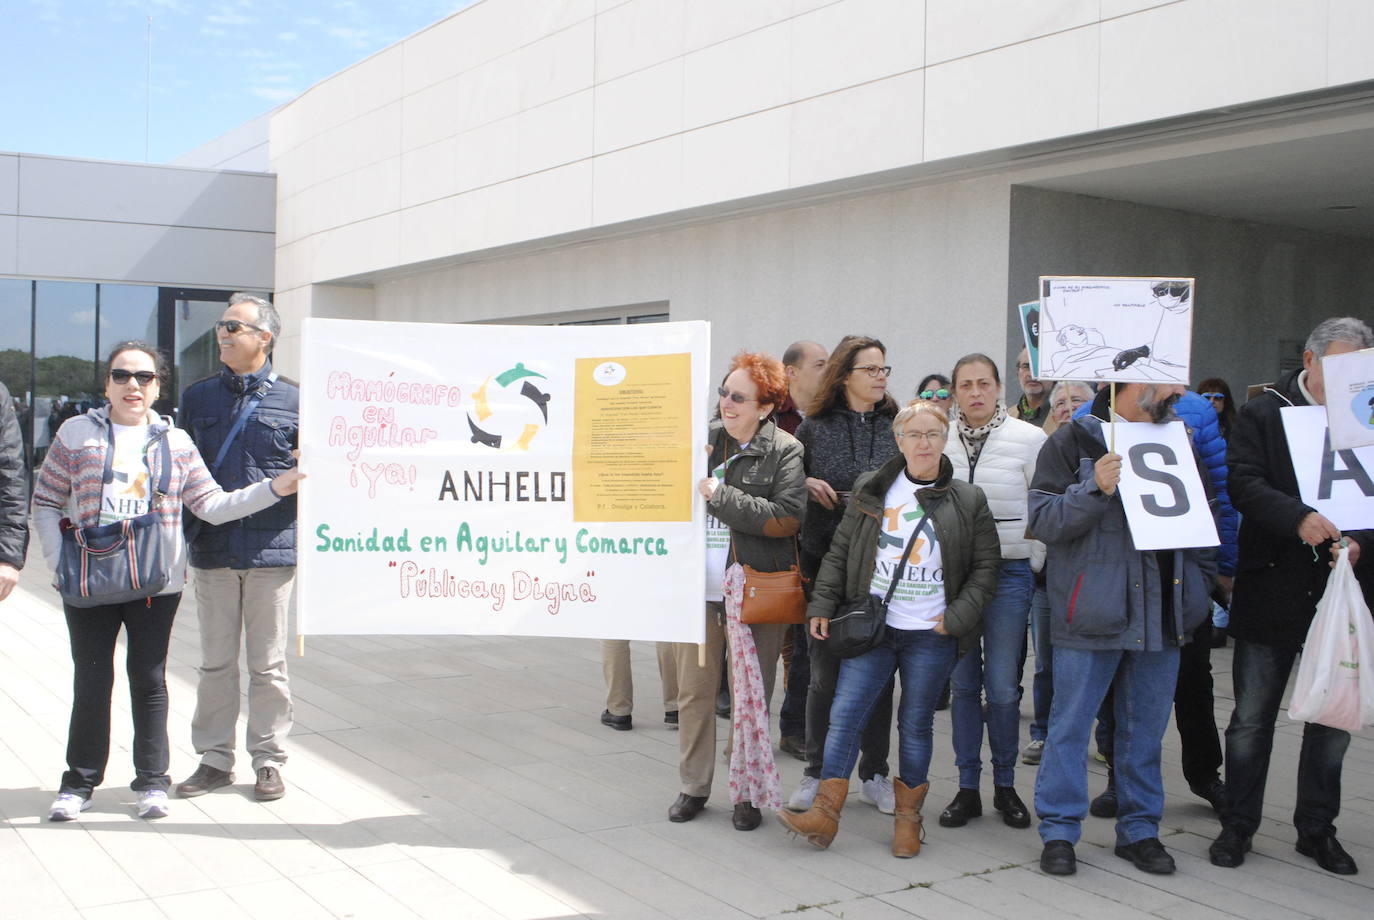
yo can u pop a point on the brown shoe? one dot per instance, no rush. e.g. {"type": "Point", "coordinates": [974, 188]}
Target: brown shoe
{"type": "Point", "coordinates": [205, 779]}
{"type": "Point", "coordinates": [822, 822]}
{"type": "Point", "coordinates": [908, 831]}
{"type": "Point", "coordinates": [269, 786]}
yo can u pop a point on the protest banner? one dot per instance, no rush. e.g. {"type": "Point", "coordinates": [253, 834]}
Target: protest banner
{"type": "Point", "coordinates": [1337, 483]}
{"type": "Point", "coordinates": [1127, 330]}
{"type": "Point", "coordinates": [1030, 331]}
{"type": "Point", "coordinates": [1161, 488]}
{"type": "Point", "coordinates": [1349, 381]}
{"type": "Point", "coordinates": [499, 480]}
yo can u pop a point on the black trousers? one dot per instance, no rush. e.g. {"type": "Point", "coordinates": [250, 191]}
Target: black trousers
{"type": "Point", "coordinates": [148, 628]}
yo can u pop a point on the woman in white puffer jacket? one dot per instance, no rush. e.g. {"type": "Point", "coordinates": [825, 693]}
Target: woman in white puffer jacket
{"type": "Point", "coordinates": [996, 453]}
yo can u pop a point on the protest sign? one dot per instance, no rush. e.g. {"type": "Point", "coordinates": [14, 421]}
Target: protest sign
{"type": "Point", "coordinates": [1349, 380]}
{"type": "Point", "coordinates": [531, 480]}
{"type": "Point", "coordinates": [1166, 502]}
{"type": "Point", "coordinates": [1130, 330]}
{"type": "Point", "coordinates": [1338, 483]}
{"type": "Point", "coordinates": [1030, 331]}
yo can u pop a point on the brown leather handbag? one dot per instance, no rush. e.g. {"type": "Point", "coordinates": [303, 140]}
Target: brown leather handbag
{"type": "Point", "coordinates": [773, 597]}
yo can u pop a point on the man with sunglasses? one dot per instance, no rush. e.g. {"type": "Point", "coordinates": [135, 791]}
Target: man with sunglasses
{"type": "Point", "coordinates": [1032, 407]}
{"type": "Point", "coordinates": [244, 421]}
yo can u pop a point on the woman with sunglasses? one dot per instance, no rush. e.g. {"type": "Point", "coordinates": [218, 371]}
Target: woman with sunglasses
{"type": "Point", "coordinates": [935, 388]}
{"type": "Point", "coordinates": [1218, 392]}
{"type": "Point", "coordinates": [77, 487]}
{"type": "Point", "coordinates": [755, 494]}
{"type": "Point", "coordinates": [846, 434]}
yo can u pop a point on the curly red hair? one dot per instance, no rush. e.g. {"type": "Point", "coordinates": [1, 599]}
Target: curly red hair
{"type": "Point", "coordinates": [766, 373]}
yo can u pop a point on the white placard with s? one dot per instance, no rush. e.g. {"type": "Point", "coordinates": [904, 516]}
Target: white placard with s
{"type": "Point", "coordinates": [1337, 483]}
{"type": "Point", "coordinates": [1350, 398]}
{"type": "Point", "coordinates": [1161, 487]}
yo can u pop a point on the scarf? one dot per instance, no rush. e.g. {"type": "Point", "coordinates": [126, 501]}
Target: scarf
{"type": "Point", "coordinates": [975, 438]}
{"type": "Point", "coordinates": [753, 774]}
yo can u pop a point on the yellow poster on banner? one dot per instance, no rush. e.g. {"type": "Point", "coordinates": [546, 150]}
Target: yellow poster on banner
{"type": "Point", "coordinates": [632, 439]}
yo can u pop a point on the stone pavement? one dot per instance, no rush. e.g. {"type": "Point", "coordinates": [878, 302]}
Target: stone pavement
{"type": "Point", "coordinates": [469, 778]}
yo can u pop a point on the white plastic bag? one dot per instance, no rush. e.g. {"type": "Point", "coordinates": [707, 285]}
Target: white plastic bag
{"type": "Point", "coordinates": [1333, 688]}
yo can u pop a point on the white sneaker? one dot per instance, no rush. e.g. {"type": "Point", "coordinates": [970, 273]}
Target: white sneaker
{"type": "Point", "coordinates": [152, 803]}
{"type": "Point", "coordinates": [68, 806]}
{"type": "Point", "coordinates": [1033, 753]}
{"type": "Point", "coordinates": [806, 794]}
{"type": "Point", "coordinates": [878, 792]}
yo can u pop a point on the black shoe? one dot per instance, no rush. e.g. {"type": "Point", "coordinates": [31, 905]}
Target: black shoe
{"type": "Point", "coordinates": [1057, 858]}
{"type": "Point", "coordinates": [1148, 855]}
{"type": "Point", "coordinates": [1014, 813]}
{"type": "Point", "coordinates": [1229, 849]}
{"type": "Point", "coordinates": [1104, 806]}
{"type": "Point", "coordinates": [794, 746]}
{"type": "Point", "coordinates": [746, 817]}
{"type": "Point", "coordinates": [670, 718]}
{"type": "Point", "coordinates": [205, 779]}
{"type": "Point", "coordinates": [619, 723]}
{"type": "Point", "coordinates": [723, 703]}
{"type": "Point", "coordinates": [1328, 853]}
{"type": "Point", "coordinates": [1215, 794]}
{"type": "Point", "coordinates": [943, 701]}
{"type": "Point", "coordinates": [967, 804]}
{"type": "Point", "coordinates": [686, 808]}
{"type": "Point", "coordinates": [1218, 637]}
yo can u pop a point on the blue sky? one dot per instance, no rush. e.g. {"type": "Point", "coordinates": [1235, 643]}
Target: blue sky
{"type": "Point", "coordinates": [74, 82]}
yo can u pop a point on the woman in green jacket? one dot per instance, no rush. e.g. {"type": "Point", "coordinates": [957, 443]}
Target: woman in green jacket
{"type": "Point", "coordinates": [935, 613]}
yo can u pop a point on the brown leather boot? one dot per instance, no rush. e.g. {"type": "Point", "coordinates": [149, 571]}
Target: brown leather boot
{"type": "Point", "coordinates": [819, 824]}
{"type": "Point", "coordinates": [907, 829]}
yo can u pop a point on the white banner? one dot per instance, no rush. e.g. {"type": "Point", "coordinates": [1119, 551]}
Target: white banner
{"type": "Point", "coordinates": [502, 480]}
{"type": "Point", "coordinates": [1349, 380]}
{"type": "Point", "coordinates": [1338, 483]}
{"type": "Point", "coordinates": [1166, 502]}
{"type": "Point", "coordinates": [1131, 330]}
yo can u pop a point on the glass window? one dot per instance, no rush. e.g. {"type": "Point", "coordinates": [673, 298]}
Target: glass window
{"type": "Point", "coordinates": [127, 312]}
{"type": "Point", "coordinates": [196, 348]}
{"type": "Point", "coordinates": [64, 346]}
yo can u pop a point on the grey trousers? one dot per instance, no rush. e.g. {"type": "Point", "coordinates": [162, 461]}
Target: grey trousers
{"type": "Point", "coordinates": [620, 688]}
{"type": "Point", "coordinates": [245, 607]}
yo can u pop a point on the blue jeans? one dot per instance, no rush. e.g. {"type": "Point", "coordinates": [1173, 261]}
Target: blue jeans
{"type": "Point", "coordinates": [1042, 688]}
{"type": "Point", "coordinates": [1144, 695]}
{"type": "Point", "coordinates": [993, 668]}
{"type": "Point", "coordinates": [925, 659]}
{"type": "Point", "coordinates": [1261, 673]}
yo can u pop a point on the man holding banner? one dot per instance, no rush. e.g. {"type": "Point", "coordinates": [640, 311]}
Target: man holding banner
{"type": "Point", "coordinates": [1280, 576]}
{"type": "Point", "coordinates": [1123, 601]}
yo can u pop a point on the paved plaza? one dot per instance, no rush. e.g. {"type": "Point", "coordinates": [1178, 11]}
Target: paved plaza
{"type": "Point", "coordinates": [469, 778]}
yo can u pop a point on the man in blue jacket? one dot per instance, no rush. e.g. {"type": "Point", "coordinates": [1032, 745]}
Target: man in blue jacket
{"type": "Point", "coordinates": [244, 421]}
{"type": "Point", "coordinates": [1118, 617]}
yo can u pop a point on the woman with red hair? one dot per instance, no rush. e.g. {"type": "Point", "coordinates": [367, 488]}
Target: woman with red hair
{"type": "Point", "coordinates": [755, 494]}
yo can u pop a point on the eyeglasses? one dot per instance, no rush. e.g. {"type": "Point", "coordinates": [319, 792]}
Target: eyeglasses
{"type": "Point", "coordinates": [872, 370]}
{"type": "Point", "coordinates": [1212, 395]}
{"type": "Point", "coordinates": [1023, 365]}
{"type": "Point", "coordinates": [941, 393]}
{"type": "Point", "coordinates": [234, 326]}
{"type": "Point", "coordinates": [927, 437]}
{"type": "Point", "coordinates": [144, 378]}
{"type": "Point", "coordinates": [734, 397]}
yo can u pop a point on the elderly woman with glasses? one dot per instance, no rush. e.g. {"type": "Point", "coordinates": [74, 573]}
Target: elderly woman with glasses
{"type": "Point", "coordinates": [911, 520]}
{"type": "Point", "coordinates": [845, 435]}
{"type": "Point", "coordinates": [1065, 399]}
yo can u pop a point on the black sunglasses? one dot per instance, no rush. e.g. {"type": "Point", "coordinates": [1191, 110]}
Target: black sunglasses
{"type": "Point", "coordinates": [734, 397]}
{"type": "Point", "coordinates": [234, 326]}
{"type": "Point", "coordinates": [144, 378]}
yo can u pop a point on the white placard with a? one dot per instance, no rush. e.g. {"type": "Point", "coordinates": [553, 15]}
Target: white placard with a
{"type": "Point", "coordinates": [1337, 483]}
{"type": "Point", "coordinates": [1350, 398]}
{"type": "Point", "coordinates": [1166, 502]}
{"type": "Point", "coordinates": [1131, 330]}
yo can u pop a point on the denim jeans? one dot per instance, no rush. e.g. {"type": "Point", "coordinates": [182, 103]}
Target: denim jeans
{"type": "Point", "coordinates": [1144, 683]}
{"type": "Point", "coordinates": [993, 668]}
{"type": "Point", "coordinates": [148, 629]}
{"type": "Point", "coordinates": [924, 659]}
{"type": "Point", "coordinates": [1261, 673]}
{"type": "Point", "coordinates": [820, 697]}
{"type": "Point", "coordinates": [1042, 687]}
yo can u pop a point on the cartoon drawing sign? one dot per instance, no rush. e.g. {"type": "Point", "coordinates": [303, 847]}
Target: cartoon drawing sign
{"type": "Point", "coordinates": [1131, 330]}
{"type": "Point", "coordinates": [1337, 482]}
{"type": "Point", "coordinates": [1349, 381]}
{"type": "Point", "coordinates": [501, 480]}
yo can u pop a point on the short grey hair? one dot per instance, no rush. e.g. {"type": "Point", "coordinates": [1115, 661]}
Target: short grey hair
{"type": "Point", "coordinates": [1339, 329]}
{"type": "Point", "coordinates": [1066, 385]}
{"type": "Point", "coordinates": [268, 317]}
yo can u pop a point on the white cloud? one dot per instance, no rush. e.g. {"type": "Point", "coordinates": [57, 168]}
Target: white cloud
{"type": "Point", "coordinates": [287, 36]}
{"type": "Point", "coordinates": [274, 94]}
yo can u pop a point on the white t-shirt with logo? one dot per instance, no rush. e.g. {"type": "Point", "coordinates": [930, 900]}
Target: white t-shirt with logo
{"type": "Point", "coordinates": [717, 543]}
{"type": "Point", "coordinates": [130, 493]}
{"type": "Point", "coordinates": [919, 599]}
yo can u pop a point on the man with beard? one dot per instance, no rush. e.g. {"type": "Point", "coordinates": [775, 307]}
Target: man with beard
{"type": "Point", "coordinates": [1118, 615]}
{"type": "Point", "coordinates": [1033, 406]}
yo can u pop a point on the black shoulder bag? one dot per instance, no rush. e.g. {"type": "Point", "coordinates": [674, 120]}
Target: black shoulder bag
{"type": "Point", "coordinates": [862, 622]}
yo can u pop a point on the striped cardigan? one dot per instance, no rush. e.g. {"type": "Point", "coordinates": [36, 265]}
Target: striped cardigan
{"type": "Point", "coordinates": [69, 484]}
